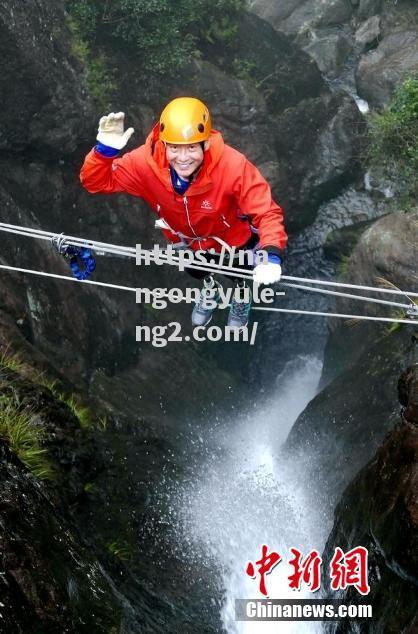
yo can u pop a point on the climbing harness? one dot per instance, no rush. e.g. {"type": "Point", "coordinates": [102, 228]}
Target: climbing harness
{"type": "Point", "coordinates": [79, 251]}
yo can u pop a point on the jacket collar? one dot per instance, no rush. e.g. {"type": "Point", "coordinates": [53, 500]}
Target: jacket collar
{"type": "Point", "coordinates": [156, 158]}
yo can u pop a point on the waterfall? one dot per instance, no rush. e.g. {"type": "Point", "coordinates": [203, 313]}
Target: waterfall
{"type": "Point", "coordinates": [242, 495]}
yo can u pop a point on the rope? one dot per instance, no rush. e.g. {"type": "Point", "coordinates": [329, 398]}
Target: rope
{"type": "Point", "coordinates": [348, 295]}
{"type": "Point", "coordinates": [132, 252]}
{"type": "Point", "coordinates": [103, 247]}
{"type": "Point", "coordinates": [214, 269]}
{"type": "Point", "coordinates": [281, 310]}
{"type": "Point", "coordinates": [226, 270]}
{"type": "Point", "coordinates": [66, 277]}
{"type": "Point", "coordinates": [309, 312]}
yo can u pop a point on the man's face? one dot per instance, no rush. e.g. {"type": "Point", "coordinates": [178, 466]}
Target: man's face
{"type": "Point", "coordinates": [185, 159]}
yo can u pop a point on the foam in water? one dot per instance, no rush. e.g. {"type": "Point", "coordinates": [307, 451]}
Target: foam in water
{"type": "Point", "coordinates": [362, 104]}
{"type": "Point", "coordinates": [244, 496]}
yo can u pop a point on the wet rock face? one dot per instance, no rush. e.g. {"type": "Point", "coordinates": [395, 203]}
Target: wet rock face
{"type": "Point", "coordinates": [302, 15]}
{"type": "Point", "coordinates": [387, 248]}
{"type": "Point", "coordinates": [43, 102]}
{"type": "Point", "coordinates": [346, 422]}
{"type": "Point", "coordinates": [385, 251]}
{"type": "Point", "coordinates": [330, 52]}
{"type": "Point", "coordinates": [381, 70]}
{"type": "Point", "coordinates": [337, 227]}
{"type": "Point", "coordinates": [283, 73]}
{"type": "Point", "coordinates": [275, 12]}
{"type": "Point", "coordinates": [362, 363]}
{"type": "Point", "coordinates": [76, 550]}
{"type": "Point", "coordinates": [369, 31]}
{"type": "Point", "coordinates": [379, 510]}
{"type": "Point", "coordinates": [319, 150]}
{"type": "Point", "coordinates": [340, 243]}
{"type": "Point", "coordinates": [367, 8]}
{"type": "Point", "coordinates": [408, 394]}
{"type": "Point", "coordinates": [340, 34]}
{"type": "Point", "coordinates": [48, 581]}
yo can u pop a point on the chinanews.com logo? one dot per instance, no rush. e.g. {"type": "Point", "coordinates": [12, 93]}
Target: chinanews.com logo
{"type": "Point", "coordinates": [346, 569]}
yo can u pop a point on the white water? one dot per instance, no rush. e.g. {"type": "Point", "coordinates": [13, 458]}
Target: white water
{"type": "Point", "coordinates": [244, 496]}
{"type": "Point", "coordinates": [362, 104]}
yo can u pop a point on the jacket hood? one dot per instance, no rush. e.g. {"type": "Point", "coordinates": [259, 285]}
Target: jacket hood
{"type": "Point", "coordinates": [156, 157]}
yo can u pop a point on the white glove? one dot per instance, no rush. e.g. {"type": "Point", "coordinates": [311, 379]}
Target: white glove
{"type": "Point", "coordinates": [267, 273]}
{"type": "Point", "coordinates": [111, 131]}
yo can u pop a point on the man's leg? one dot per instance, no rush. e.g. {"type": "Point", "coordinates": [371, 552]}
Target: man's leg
{"type": "Point", "coordinates": [209, 297]}
{"type": "Point", "coordinates": [242, 297]}
{"type": "Point", "coordinates": [207, 302]}
{"type": "Point", "coordinates": [239, 312]}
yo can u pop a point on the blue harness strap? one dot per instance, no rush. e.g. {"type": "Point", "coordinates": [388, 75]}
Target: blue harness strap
{"type": "Point", "coordinates": [86, 259]}
{"type": "Point", "coordinates": [82, 262]}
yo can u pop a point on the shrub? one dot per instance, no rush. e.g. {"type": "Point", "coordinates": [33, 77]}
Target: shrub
{"type": "Point", "coordinates": [393, 139]}
{"type": "Point", "coordinates": [162, 34]}
{"type": "Point", "coordinates": [24, 439]}
{"type": "Point", "coordinates": [98, 76]}
{"type": "Point", "coordinates": [12, 361]}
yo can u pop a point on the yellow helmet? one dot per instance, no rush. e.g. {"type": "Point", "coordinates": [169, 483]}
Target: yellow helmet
{"type": "Point", "coordinates": [185, 120]}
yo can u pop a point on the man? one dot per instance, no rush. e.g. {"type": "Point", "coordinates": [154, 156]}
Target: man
{"type": "Point", "coordinates": [207, 194]}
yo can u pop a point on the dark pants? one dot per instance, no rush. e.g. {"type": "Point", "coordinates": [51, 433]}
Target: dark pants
{"type": "Point", "coordinates": [215, 257]}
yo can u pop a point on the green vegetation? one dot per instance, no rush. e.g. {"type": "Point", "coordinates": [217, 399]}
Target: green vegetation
{"type": "Point", "coordinates": [20, 426]}
{"type": "Point", "coordinates": [16, 424]}
{"type": "Point", "coordinates": [11, 361]}
{"type": "Point", "coordinates": [24, 438]}
{"type": "Point", "coordinates": [85, 417]}
{"type": "Point", "coordinates": [81, 412]}
{"type": "Point", "coordinates": [244, 69]}
{"type": "Point", "coordinates": [395, 326]}
{"type": "Point", "coordinates": [99, 77]}
{"type": "Point", "coordinates": [119, 549]}
{"type": "Point", "coordinates": [89, 487]}
{"type": "Point", "coordinates": [162, 35]}
{"type": "Point", "coordinates": [393, 140]}
{"type": "Point", "coordinates": [342, 268]}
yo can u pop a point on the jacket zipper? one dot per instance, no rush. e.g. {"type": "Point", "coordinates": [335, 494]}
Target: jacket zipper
{"type": "Point", "coordinates": [186, 207]}
{"type": "Point", "coordinates": [225, 222]}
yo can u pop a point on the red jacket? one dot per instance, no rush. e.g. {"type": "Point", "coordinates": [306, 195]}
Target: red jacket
{"type": "Point", "coordinates": [227, 194]}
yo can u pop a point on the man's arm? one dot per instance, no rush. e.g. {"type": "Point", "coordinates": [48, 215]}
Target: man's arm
{"type": "Point", "coordinates": [255, 201]}
{"type": "Point", "coordinates": [102, 171]}
{"type": "Point", "coordinates": [102, 174]}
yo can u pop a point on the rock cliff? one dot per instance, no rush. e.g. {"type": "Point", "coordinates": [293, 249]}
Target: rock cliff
{"type": "Point", "coordinates": [379, 510]}
{"type": "Point", "coordinates": [368, 46]}
{"type": "Point", "coordinates": [357, 405]}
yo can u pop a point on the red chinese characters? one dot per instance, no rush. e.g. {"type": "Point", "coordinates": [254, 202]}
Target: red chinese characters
{"type": "Point", "coordinates": [350, 569]}
{"type": "Point", "coordinates": [346, 569]}
{"type": "Point", "coordinates": [265, 566]}
{"type": "Point", "coordinates": [307, 571]}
